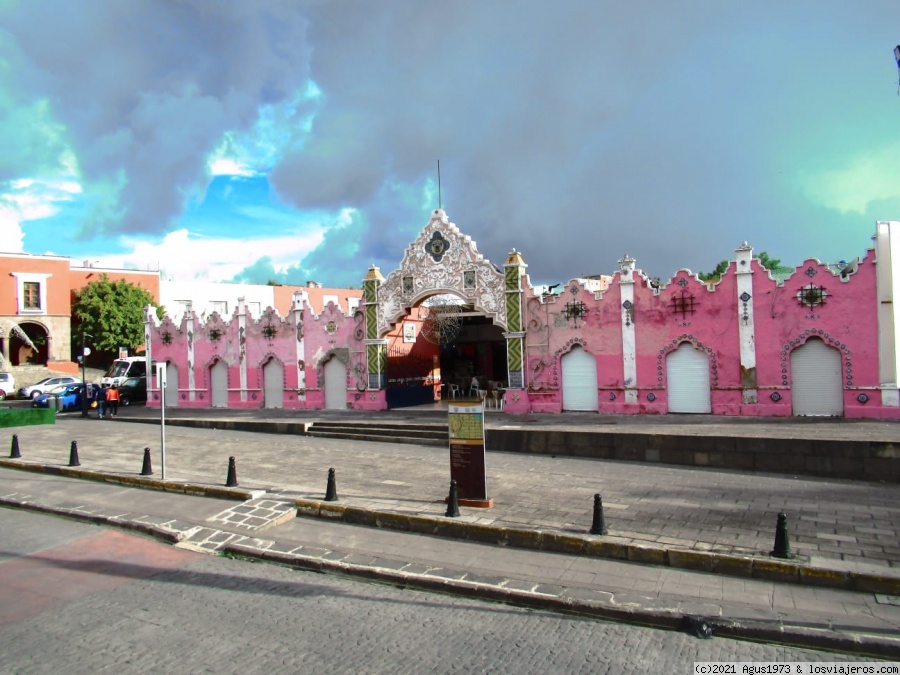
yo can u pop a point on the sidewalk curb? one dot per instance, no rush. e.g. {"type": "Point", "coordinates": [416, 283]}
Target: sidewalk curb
{"type": "Point", "coordinates": [571, 543]}
{"type": "Point", "coordinates": [768, 569]}
{"type": "Point", "coordinates": [770, 632]}
{"type": "Point", "coordinates": [773, 632]}
{"type": "Point", "coordinates": [193, 489]}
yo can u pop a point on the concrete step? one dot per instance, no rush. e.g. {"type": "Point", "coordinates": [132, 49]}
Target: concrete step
{"type": "Point", "coordinates": [420, 434]}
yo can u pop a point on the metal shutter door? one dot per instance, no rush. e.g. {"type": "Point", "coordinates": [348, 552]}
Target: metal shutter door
{"type": "Point", "coordinates": [335, 385]}
{"type": "Point", "coordinates": [579, 380]}
{"type": "Point", "coordinates": [816, 384]}
{"type": "Point", "coordinates": [687, 374]}
{"type": "Point", "coordinates": [171, 385]}
{"type": "Point", "coordinates": [218, 380]}
{"type": "Point", "coordinates": [273, 378]}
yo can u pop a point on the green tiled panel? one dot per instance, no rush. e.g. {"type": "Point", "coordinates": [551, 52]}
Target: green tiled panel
{"type": "Point", "coordinates": [512, 278]}
{"type": "Point", "coordinates": [371, 322]}
{"type": "Point", "coordinates": [513, 312]}
{"type": "Point", "coordinates": [514, 353]}
{"type": "Point", "coordinates": [375, 358]}
{"type": "Point", "coordinates": [369, 288]}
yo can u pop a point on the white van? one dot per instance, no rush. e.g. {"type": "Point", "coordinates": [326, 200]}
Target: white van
{"type": "Point", "coordinates": [122, 369]}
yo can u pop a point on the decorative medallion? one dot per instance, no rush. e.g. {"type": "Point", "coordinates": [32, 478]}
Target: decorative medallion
{"type": "Point", "coordinates": [812, 296]}
{"type": "Point", "coordinates": [863, 398]}
{"type": "Point", "coordinates": [651, 397]}
{"type": "Point", "coordinates": [684, 304]}
{"type": "Point", "coordinates": [331, 327]}
{"type": "Point", "coordinates": [214, 334]}
{"type": "Point", "coordinates": [629, 312]}
{"type": "Point", "coordinates": [574, 290]}
{"type": "Point", "coordinates": [166, 338]}
{"type": "Point", "coordinates": [574, 311]}
{"type": "Point", "coordinates": [775, 396]}
{"type": "Point", "coordinates": [683, 282]}
{"type": "Point", "coordinates": [612, 396]}
{"type": "Point", "coordinates": [469, 279]}
{"type": "Point", "coordinates": [437, 246]}
{"type": "Point", "coordinates": [269, 332]}
{"type": "Point", "coordinates": [408, 285]}
{"type": "Point", "coordinates": [811, 272]}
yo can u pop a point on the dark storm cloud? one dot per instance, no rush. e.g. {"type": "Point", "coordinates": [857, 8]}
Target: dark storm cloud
{"type": "Point", "coordinates": [146, 89]}
{"type": "Point", "coordinates": [580, 131]}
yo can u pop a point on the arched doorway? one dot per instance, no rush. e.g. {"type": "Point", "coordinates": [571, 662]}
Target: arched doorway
{"type": "Point", "coordinates": [218, 384]}
{"type": "Point", "coordinates": [171, 385]}
{"type": "Point", "coordinates": [816, 384]}
{"type": "Point", "coordinates": [335, 374]}
{"type": "Point", "coordinates": [28, 344]}
{"type": "Point", "coordinates": [687, 375]}
{"type": "Point", "coordinates": [273, 383]}
{"type": "Point", "coordinates": [579, 380]}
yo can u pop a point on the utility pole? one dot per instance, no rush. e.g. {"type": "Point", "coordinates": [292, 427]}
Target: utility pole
{"type": "Point", "coordinates": [84, 393]}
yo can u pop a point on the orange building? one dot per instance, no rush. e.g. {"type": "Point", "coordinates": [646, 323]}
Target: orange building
{"type": "Point", "coordinates": [36, 306]}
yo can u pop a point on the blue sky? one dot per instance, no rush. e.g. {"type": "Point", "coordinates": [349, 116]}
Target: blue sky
{"type": "Point", "coordinates": [298, 140]}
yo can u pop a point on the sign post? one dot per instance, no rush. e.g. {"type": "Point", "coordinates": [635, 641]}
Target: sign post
{"type": "Point", "coordinates": [161, 383]}
{"type": "Point", "coordinates": [467, 458]}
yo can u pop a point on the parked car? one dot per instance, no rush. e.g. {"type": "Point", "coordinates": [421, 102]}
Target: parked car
{"type": "Point", "coordinates": [69, 394]}
{"type": "Point", "coordinates": [45, 385]}
{"type": "Point", "coordinates": [133, 390]}
{"type": "Point", "coordinates": [7, 385]}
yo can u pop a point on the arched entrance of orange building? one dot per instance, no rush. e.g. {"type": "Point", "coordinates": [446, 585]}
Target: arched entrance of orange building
{"type": "Point", "coordinates": [439, 349]}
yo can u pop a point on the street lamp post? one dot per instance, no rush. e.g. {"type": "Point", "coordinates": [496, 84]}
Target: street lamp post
{"type": "Point", "coordinates": [84, 384]}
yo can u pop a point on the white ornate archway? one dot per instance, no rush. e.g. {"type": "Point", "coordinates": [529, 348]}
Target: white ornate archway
{"type": "Point", "coordinates": [440, 261]}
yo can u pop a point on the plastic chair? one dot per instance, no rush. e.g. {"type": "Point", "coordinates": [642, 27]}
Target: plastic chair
{"type": "Point", "coordinates": [453, 390]}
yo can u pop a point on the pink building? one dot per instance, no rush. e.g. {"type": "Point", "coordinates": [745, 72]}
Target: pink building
{"type": "Point", "coordinates": [821, 342]}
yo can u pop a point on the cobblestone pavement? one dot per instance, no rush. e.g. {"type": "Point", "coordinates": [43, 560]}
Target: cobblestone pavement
{"type": "Point", "coordinates": [854, 522]}
{"type": "Point", "coordinates": [136, 606]}
{"type": "Point", "coordinates": [650, 504]}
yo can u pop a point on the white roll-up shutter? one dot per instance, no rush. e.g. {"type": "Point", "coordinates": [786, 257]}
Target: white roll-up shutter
{"type": "Point", "coordinates": [335, 385]}
{"type": "Point", "coordinates": [218, 382]}
{"type": "Point", "coordinates": [579, 380]}
{"type": "Point", "coordinates": [687, 374]}
{"type": "Point", "coordinates": [816, 384]}
{"type": "Point", "coordinates": [273, 378]}
{"type": "Point", "coordinates": [171, 385]}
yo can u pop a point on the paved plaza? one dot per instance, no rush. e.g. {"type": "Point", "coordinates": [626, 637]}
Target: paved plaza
{"type": "Point", "coordinates": [841, 526]}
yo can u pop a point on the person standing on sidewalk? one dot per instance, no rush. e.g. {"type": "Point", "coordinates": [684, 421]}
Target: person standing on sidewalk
{"type": "Point", "coordinates": [112, 400]}
{"type": "Point", "coordinates": [101, 402]}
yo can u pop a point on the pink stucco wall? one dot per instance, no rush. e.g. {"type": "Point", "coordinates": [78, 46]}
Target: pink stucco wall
{"type": "Point", "coordinates": [708, 316]}
{"type": "Point", "coordinates": [247, 344]}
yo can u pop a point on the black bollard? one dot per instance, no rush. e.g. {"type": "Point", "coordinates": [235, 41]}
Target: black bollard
{"type": "Point", "coordinates": [73, 455]}
{"type": "Point", "coordinates": [14, 448]}
{"type": "Point", "coordinates": [147, 469]}
{"type": "Point", "coordinates": [599, 524]}
{"type": "Point", "coordinates": [331, 489]}
{"type": "Point", "coordinates": [782, 545]}
{"type": "Point", "coordinates": [453, 501]}
{"type": "Point", "coordinates": [231, 481]}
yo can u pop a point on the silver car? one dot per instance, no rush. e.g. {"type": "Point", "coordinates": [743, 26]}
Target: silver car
{"type": "Point", "coordinates": [45, 385]}
{"type": "Point", "coordinates": [7, 385]}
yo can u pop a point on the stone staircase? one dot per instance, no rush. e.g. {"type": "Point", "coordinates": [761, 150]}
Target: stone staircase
{"type": "Point", "coordinates": [418, 434]}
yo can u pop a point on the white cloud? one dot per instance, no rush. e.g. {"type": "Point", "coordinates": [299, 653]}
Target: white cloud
{"type": "Point", "coordinates": [182, 256]}
{"type": "Point", "coordinates": [11, 233]}
{"type": "Point", "coordinates": [863, 179]}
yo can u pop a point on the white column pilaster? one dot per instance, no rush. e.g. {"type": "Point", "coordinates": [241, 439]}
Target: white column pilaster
{"type": "Point", "coordinates": [746, 327]}
{"type": "Point", "coordinates": [629, 346]}
{"type": "Point", "coordinates": [242, 330]}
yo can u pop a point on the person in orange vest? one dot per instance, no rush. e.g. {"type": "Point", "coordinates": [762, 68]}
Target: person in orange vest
{"type": "Point", "coordinates": [112, 400]}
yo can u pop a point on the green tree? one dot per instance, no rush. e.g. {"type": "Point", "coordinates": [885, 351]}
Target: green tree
{"type": "Point", "coordinates": [771, 264]}
{"type": "Point", "coordinates": [112, 312]}
{"type": "Point", "coordinates": [716, 274]}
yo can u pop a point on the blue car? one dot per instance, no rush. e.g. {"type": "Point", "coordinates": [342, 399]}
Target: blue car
{"type": "Point", "coordinates": [68, 395]}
